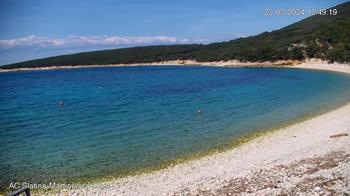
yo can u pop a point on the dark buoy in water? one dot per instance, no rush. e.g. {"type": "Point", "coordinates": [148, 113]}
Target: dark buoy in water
{"type": "Point", "coordinates": [199, 111]}
{"type": "Point", "coordinates": [61, 103]}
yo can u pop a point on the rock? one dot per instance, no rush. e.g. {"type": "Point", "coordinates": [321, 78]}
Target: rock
{"type": "Point", "coordinates": [317, 189]}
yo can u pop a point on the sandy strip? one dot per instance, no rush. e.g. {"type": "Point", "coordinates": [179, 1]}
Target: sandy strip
{"type": "Point", "coordinates": [322, 65]}
{"type": "Point", "coordinates": [309, 157]}
{"type": "Point", "coordinates": [308, 63]}
{"type": "Point", "coordinates": [229, 63]}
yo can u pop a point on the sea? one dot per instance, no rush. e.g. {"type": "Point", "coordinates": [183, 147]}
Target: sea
{"type": "Point", "coordinates": [86, 124]}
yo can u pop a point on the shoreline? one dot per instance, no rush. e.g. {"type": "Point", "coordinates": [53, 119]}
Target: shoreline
{"type": "Point", "coordinates": [303, 144]}
{"type": "Point", "coordinates": [321, 65]}
{"type": "Point", "coordinates": [229, 63]}
{"type": "Point", "coordinates": [300, 143]}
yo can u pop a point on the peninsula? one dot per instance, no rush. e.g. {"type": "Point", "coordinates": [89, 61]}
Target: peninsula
{"type": "Point", "coordinates": [324, 37]}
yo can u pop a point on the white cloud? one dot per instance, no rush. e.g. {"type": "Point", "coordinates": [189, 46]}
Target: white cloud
{"type": "Point", "coordinates": [29, 40]}
{"type": "Point", "coordinates": [76, 41]}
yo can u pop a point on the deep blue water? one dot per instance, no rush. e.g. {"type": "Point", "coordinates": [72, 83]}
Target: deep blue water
{"type": "Point", "coordinates": [122, 119]}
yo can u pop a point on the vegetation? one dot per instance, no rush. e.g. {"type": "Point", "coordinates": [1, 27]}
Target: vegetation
{"type": "Point", "coordinates": [325, 37]}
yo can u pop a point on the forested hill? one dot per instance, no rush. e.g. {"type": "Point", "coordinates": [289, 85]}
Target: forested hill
{"type": "Point", "coordinates": [326, 37]}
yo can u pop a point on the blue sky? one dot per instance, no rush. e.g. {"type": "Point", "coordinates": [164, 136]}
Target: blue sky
{"type": "Point", "coordinates": [39, 28]}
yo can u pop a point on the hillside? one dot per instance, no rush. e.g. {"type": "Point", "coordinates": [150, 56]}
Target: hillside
{"type": "Point", "coordinates": [325, 37]}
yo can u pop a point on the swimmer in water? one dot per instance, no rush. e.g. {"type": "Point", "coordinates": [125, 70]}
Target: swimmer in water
{"type": "Point", "coordinates": [61, 103]}
{"type": "Point", "coordinates": [199, 111]}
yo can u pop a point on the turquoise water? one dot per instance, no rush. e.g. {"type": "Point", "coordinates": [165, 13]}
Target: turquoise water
{"type": "Point", "coordinates": [121, 119]}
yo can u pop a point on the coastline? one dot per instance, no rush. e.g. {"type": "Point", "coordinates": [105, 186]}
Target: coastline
{"type": "Point", "coordinates": [322, 65]}
{"type": "Point", "coordinates": [229, 63]}
{"type": "Point", "coordinates": [233, 63]}
{"type": "Point", "coordinates": [309, 157]}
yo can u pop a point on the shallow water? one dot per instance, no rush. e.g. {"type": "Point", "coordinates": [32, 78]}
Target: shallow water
{"type": "Point", "coordinates": [122, 119]}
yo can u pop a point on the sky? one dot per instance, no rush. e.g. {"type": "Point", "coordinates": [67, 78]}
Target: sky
{"type": "Point", "coordinates": [31, 29]}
